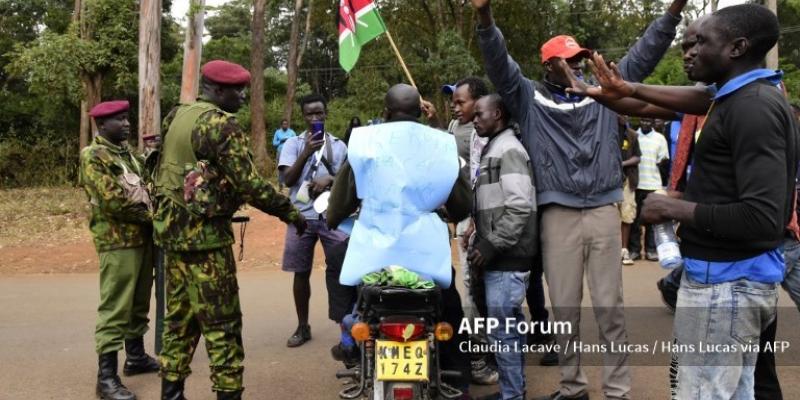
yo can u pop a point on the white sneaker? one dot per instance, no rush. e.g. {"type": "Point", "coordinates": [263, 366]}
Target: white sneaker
{"type": "Point", "coordinates": [626, 257]}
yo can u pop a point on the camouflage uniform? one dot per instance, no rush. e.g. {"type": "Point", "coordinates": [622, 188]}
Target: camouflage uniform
{"type": "Point", "coordinates": [121, 229]}
{"type": "Point", "coordinates": [202, 291]}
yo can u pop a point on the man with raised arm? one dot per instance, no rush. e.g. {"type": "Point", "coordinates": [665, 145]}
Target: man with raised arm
{"type": "Point", "coordinates": [574, 150]}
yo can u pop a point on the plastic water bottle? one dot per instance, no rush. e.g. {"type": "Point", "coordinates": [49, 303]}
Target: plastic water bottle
{"type": "Point", "coordinates": [669, 252]}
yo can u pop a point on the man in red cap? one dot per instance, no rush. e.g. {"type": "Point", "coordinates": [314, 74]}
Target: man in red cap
{"type": "Point", "coordinates": [204, 175]}
{"type": "Point", "coordinates": [573, 145]}
{"type": "Point", "coordinates": [112, 176]}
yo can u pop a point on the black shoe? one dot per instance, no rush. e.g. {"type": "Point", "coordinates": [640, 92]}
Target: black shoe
{"type": "Point", "coordinates": [635, 255]}
{"type": "Point", "coordinates": [350, 357]}
{"type": "Point", "coordinates": [668, 295]}
{"type": "Point", "coordinates": [109, 386]}
{"type": "Point", "coordinates": [237, 395]}
{"type": "Point", "coordinates": [300, 336]}
{"type": "Point", "coordinates": [652, 256]}
{"type": "Point", "coordinates": [559, 396]}
{"type": "Point", "coordinates": [172, 390]}
{"type": "Point", "coordinates": [136, 360]}
{"type": "Point", "coordinates": [549, 359]}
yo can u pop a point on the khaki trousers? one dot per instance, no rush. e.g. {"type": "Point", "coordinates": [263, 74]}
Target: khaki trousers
{"type": "Point", "coordinates": [578, 242]}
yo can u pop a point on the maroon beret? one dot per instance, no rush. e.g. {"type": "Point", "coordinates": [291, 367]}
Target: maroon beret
{"type": "Point", "coordinates": [226, 73]}
{"type": "Point", "coordinates": [108, 108]}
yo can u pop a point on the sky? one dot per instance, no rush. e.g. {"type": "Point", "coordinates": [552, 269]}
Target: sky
{"type": "Point", "coordinates": [180, 7]}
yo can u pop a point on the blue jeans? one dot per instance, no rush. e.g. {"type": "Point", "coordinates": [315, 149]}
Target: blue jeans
{"type": "Point", "coordinates": [505, 292]}
{"type": "Point", "coordinates": [791, 281]}
{"type": "Point", "coordinates": [728, 316]}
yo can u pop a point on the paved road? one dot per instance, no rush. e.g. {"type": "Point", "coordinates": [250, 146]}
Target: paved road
{"type": "Point", "coordinates": [47, 323]}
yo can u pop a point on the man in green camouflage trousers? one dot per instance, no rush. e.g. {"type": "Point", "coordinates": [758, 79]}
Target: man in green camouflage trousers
{"type": "Point", "coordinates": [204, 175]}
{"type": "Point", "coordinates": [120, 222]}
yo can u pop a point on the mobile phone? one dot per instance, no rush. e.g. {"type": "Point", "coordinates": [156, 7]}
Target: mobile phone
{"type": "Point", "coordinates": [317, 130]}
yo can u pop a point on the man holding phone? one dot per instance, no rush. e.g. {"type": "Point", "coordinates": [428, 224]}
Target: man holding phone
{"type": "Point", "coordinates": [308, 164]}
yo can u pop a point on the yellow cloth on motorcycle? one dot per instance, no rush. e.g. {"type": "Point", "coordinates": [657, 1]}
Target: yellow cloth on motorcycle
{"type": "Point", "coordinates": [404, 171]}
{"type": "Point", "coordinates": [396, 275]}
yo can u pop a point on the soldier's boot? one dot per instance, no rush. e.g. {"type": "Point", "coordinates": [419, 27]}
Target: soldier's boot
{"type": "Point", "coordinates": [109, 386]}
{"type": "Point", "coordinates": [172, 390]}
{"type": "Point", "coordinates": [136, 360]}
{"type": "Point", "coordinates": [237, 395]}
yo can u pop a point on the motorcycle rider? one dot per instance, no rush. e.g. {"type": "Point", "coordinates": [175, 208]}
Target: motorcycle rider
{"type": "Point", "coordinates": [403, 105]}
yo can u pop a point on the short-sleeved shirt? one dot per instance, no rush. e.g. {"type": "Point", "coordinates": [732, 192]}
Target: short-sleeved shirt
{"type": "Point", "coordinates": [654, 150]}
{"type": "Point", "coordinates": [291, 152]}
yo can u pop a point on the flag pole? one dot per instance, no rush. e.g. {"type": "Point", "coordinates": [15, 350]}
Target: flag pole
{"type": "Point", "coordinates": [400, 58]}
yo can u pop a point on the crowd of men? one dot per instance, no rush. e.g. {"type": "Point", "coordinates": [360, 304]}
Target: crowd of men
{"type": "Point", "coordinates": [554, 183]}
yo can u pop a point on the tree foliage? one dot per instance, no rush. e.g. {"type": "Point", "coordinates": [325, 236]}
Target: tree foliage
{"type": "Point", "coordinates": [43, 54]}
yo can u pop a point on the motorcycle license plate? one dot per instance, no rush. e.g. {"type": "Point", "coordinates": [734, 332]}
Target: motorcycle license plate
{"type": "Point", "coordinates": [396, 361]}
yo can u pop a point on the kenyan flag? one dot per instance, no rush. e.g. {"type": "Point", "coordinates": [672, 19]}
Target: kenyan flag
{"type": "Point", "coordinates": [359, 22]}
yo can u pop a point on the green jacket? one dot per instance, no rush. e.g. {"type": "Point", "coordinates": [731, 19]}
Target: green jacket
{"type": "Point", "coordinates": [116, 222]}
{"type": "Point", "coordinates": [230, 180]}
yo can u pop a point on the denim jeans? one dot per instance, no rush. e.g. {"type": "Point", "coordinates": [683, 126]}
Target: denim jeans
{"type": "Point", "coordinates": [791, 281]}
{"type": "Point", "coordinates": [728, 315]}
{"type": "Point", "coordinates": [505, 292]}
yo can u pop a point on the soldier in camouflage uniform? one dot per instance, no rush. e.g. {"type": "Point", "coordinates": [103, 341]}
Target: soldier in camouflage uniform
{"type": "Point", "coordinates": [204, 175]}
{"type": "Point", "coordinates": [120, 223]}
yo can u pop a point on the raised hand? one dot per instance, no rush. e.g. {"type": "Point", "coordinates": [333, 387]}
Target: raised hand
{"type": "Point", "coordinates": [577, 86]}
{"type": "Point", "coordinates": [428, 109]}
{"type": "Point", "coordinates": [677, 7]}
{"type": "Point", "coordinates": [478, 4]}
{"type": "Point", "coordinates": [612, 85]}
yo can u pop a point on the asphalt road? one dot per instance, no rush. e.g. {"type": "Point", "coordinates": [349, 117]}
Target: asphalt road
{"type": "Point", "coordinates": [47, 352]}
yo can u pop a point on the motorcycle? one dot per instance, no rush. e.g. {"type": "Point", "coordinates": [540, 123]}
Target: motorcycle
{"type": "Point", "coordinates": [398, 335]}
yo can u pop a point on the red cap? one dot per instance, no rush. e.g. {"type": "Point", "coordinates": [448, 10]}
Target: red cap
{"type": "Point", "coordinates": [563, 46]}
{"type": "Point", "coordinates": [226, 73]}
{"type": "Point", "coordinates": [109, 108]}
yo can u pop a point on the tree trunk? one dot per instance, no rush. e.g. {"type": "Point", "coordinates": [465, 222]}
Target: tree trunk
{"type": "Point", "coordinates": [93, 88]}
{"type": "Point", "coordinates": [772, 56]}
{"type": "Point", "coordinates": [714, 5]}
{"type": "Point", "coordinates": [257, 88]}
{"type": "Point", "coordinates": [192, 51]}
{"type": "Point", "coordinates": [307, 35]}
{"type": "Point", "coordinates": [291, 67]}
{"type": "Point", "coordinates": [149, 69]}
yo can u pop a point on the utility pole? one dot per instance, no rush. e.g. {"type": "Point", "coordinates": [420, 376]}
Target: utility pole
{"type": "Point", "coordinates": [149, 69]}
{"type": "Point", "coordinates": [192, 51]}
{"type": "Point", "coordinates": [772, 56]}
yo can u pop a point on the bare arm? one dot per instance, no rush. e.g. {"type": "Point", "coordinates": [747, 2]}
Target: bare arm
{"type": "Point", "coordinates": [686, 99]}
{"type": "Point", "coordinates": [631, 161]}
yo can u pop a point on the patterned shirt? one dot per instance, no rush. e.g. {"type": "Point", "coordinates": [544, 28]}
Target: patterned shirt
{"type": "Point", "coordinates": [654, 150]}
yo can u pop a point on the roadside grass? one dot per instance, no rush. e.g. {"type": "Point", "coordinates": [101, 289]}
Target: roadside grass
{"type": "Point", "coordinates": [43, 215]}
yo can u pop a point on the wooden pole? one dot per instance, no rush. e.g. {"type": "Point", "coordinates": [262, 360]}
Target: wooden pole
{"type": "Point", "coordinates": [257, 124]}
{"type": "Point", "coordinates": [772, 56]}
{"type": "Point", "coordinates": [400, 58]}
{"type": "Point", "coordinates": [192, 51]}
{"type": "Point", "coordinates": [149, 69]}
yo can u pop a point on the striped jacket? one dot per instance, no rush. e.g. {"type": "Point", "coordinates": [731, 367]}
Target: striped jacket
{"type": "Point", "coordinates": [505, 205]}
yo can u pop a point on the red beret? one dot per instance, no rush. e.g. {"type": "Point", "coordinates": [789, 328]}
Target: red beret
{"type": "Point", "coordinates": [226, 73]}
{"type": "Point", "coordinates": [109, 108]}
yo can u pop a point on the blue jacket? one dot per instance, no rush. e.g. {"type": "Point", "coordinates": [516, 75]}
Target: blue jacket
{"type": "Point", "coordinates": [572, 141]}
